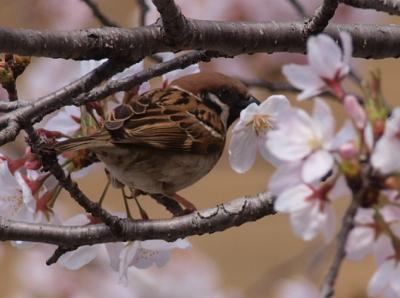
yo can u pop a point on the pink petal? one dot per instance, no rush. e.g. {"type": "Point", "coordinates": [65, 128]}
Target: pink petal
{"type": "Point", "coordinates": [317, 165]}
{"type": "Point", "coordinates": [77, 220]}
{"type": "Point", "coordinates": [381, 278]}
{"type": "Point", "coordinates": [293, 199]}
{"type": "Point", "coordinates": [305, 223]}
{"type": "Point", "coordinates": [324, 55]}
{"type": "Point", "coordinates": [383, 249]}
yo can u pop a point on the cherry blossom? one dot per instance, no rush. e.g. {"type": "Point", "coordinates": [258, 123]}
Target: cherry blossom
{"type": "Point", "coordinates": [382, 157]}
{"type": "Point", "coordinates": [386, 278]}
{"type": "Point", "coordinates": [299, 137]}
{"type": "Point", "coordinates": [250, 132]}
{"type": "Point", "coordinates": [327, 65]}
{"type": "Point", "coordinates": [310, 208]}
{"type": "Point", "coordinates": [141, 254]}
{"type": "Point", "coordinates": [82, 256]}
{"type": "Point", "coordinates": [366, 237]}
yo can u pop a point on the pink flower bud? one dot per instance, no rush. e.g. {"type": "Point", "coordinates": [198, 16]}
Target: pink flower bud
{"type": "Point", "coordinates": [348, 150]}
{"type": "Point", "coordinates": [355, 111]}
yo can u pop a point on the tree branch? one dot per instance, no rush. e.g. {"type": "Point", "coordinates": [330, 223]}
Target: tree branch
{"type": "Point", "coordinates": [230, 38]}
{"type": "Point", "coordinates": [174, 23]}
{"type": "Point", "coordinates": [328, 286]}
{"type": "Point", "coordinates": [76, 93]}
{"type": "Point", "coordinates": [220, 218]}
{"type": "Point", "coordinates": [103, 19]}
{"type": "Point", "coordinates": [389, 6]}
{"type": "Point", "coordinates": [321, 18]}
{"type": "Point", "coordinates": [270, 86]}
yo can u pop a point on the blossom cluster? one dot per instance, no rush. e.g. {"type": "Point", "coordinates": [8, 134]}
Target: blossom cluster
{"type": "Point", "coordinates": [28, 194]}
{"type": "Point", "coordinates": [317, 162]}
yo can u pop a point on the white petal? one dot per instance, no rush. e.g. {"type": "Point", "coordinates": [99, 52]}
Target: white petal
{"type": "Point", "coordinates": [381, 278]}
{"type": "Point", "coordinates": [247, 115]}
{"type": "Point", "coordinates": [274, 105]}
{"type": "Point", "coordinates": [323, 117]}
{"type": "Point", "coordinates": [324, 55]}
{"type": "Point", "coordinates": [328, 225]}
{"type": "Point", "coordinates": [303, 78]}
{"type": "Point", "coordinates": [383, 249]}
{"type": "Point", "coordinates": [383, 158]}
{"type": "Point", "coordinates": [291, 140]}
{"type": "Point", "coordinates": [243, 150]}
{"type": "Point", "coordinates": [77, 220]}
{"type": "Point", "coordinates": [8, 183]}
{"type": "Point", "coordinates": [347, 46]}
{"type": "Point", "coordinates": [359, 243]}
{"type": "Point", "coordinates": [395, 281]}
{"type": "Point", "coordinates": [27, 196]}
{"type": "Point", "coordinates": [265, 153]}
{"type": "Point", "coordinates": [305, 223]}
{"type": "Point", "coordinates": [293, 199]}
{"type": "Point", "coordinates": [345, 134]}
{"type": "Point", "coordinates": [298, 289]}
{"type": "Point", "coordinates": [364, 215]}
{"type": "Point", "coordinates": [126, 257]}
{"type": "Point", "coordinates": [130, 71]}
{"type": "Point", "coordinates": [286, 176]}
{"type": "Point", "coordinates": [63, 122]}
{"type": "Point", "coordinates": [317, 165]}
{"type": "Point", "coordinates": [87, 66]}
{"type": "Point", "coordinates": [76, 259]}
{"type": "Point", "coordinates": [114, 250]}
{"type": "Point", "coordinates": [340, 189]}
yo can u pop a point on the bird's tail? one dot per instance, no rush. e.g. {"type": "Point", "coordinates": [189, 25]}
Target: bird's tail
{"type": "Point", "coordinates": [100, 139]}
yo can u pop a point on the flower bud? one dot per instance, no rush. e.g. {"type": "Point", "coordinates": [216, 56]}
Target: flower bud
{"type": "Point", "coordinates": [355, 111]}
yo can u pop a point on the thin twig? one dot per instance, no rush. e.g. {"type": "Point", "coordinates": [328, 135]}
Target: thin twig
{"type": "Point", "coordinates": [103, 19]}
{"type": "Point", "coordinates": [328, 286]}
{"type": "Point", "coordinates": [58, 253]}
{"type": "Point", "coordinates": [50, 164]}
{"type": "Point", "coordinates": [321, 18]}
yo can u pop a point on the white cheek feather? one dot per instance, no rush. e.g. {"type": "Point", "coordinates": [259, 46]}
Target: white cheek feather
{"type": "Point", "coordinates": [224, 107]}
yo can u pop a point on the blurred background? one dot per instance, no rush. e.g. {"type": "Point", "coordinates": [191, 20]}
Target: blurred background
{"type": "Point", "coordinates": [248, 261]}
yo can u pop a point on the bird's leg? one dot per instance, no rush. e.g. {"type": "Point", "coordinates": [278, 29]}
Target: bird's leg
{"type": "Point", "coordinates": [126, 197]}
{"type": "Point", "coordinates": [170, 204]}
{"type": "Point", "coordinates": [189, 207]}
{"type": "Point", "coordinates": [103, 194]}
{"type": "Point", "coordinates": [134, 194]}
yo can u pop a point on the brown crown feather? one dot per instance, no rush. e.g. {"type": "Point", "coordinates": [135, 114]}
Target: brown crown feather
{"type": "Point", "coordinates": [209, 81]}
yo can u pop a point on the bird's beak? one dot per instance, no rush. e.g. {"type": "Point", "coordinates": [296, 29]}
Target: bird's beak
{"type": "Point", "coordinates": [251, 99]}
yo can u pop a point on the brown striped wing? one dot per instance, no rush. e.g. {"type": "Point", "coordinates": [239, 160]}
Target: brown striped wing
{"type": "Point", "coordinates": [168, 119]}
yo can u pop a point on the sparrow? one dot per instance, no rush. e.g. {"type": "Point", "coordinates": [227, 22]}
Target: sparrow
{"type": "Point", "coordinates": [166, 139]}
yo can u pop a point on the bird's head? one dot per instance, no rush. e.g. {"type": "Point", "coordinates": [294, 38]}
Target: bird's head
{"type": "Point", "coordinates": [226, 95]}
